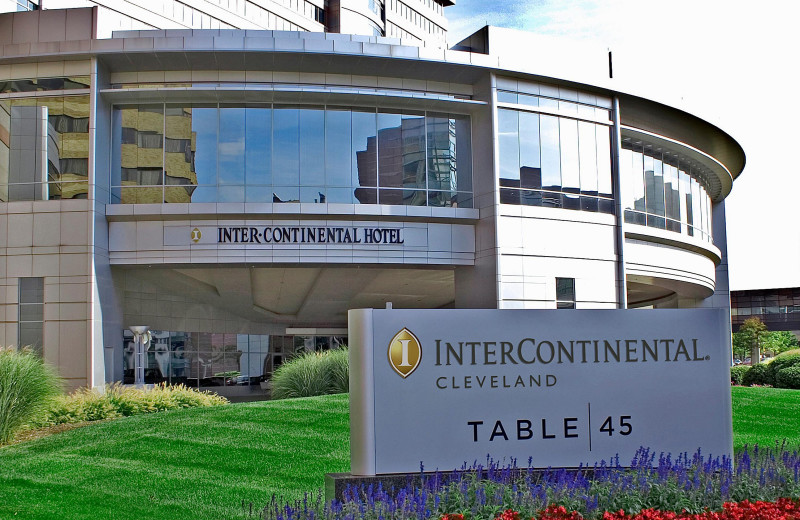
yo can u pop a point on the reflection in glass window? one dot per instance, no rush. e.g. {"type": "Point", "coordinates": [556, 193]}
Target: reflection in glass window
{"type": "Point", "coordinates": [214, 360]}
{"type": "Point", "coordinates": [264, 153]}
{"type": "Point", "coordinates": [554, 162]}
{"type": "Point", "coordinates": [44, 84]}
{"type": "Point", "coordinates": [663, 192]}
{"type": "Point", "coordinates": [551, 153]}
{"type": "Point", "coordinates": [286, 146]}
{"type": "Point", "coordinates": [311, 133]}
{"type": "Point", "coordinates": [44, 149]}
{"type": "Point", "coordinates": [230, 153]}
{"type": "Point", "coordinates": [258, 147]}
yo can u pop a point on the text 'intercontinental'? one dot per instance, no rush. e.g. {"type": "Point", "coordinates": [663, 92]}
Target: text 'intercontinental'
{"type": "Point", "coordinates": [531, 352]}
{"type": "Point", "coordinates": [309, 235]}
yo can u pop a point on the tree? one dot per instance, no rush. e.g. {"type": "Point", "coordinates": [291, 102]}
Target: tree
{"type": "Point", "coordinates": [749, 338]}
{"type": "Point", "coordinates": [778, 341]}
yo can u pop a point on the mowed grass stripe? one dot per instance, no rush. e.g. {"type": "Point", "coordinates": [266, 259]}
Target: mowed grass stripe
{"type": "Point", "coordinates": [764, 416]}
{"type": "Point", "coordinates": [201, 463]}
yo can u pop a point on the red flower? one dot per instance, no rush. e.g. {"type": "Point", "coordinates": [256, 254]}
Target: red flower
{"type": "Point", "coordinates": [453, 516]}
{"type": "Point", "coordinates": [508, 514]}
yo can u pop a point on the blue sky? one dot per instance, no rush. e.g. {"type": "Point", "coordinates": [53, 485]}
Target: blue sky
{"type": "Point", "coordinates": [733, 63]}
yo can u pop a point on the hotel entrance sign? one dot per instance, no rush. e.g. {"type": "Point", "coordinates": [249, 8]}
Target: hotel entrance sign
{"type": "Point", "coordinates": [558, 388]}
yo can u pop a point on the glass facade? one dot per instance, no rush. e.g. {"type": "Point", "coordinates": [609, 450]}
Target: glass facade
{"type": "Point", "coordinates": [42, 84]}
{"type": "Point", "coordinates": [552, 161]}
{"type": "Point", "coordinates": [779, 309]}
{"type": "Point", "coordinates": [664, 192]}
{"type": "Point", "coordinates": [203, 359]}
{"type": "Point", "coordinates": [290, 153]}
{"type": "Point", "coordinates": [44, 148]}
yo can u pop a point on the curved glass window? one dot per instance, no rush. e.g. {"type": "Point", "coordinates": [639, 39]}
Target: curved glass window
{"type": "Point", "coordinates": [554, 161]}
{"type": "Point", "coordinates": [290, 153]}
{"type": "Point", "coordinates": [664, 192]}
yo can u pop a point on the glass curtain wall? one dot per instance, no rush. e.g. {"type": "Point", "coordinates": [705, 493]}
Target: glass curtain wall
{"type": "Point", "coordinates": [552, 161]}
{"type": "Point", "coordinates": [44, 148]}
{"type": "Point", "coordinates": [290, 153]}
{"type": "Point", "coordinates": [664, 192]}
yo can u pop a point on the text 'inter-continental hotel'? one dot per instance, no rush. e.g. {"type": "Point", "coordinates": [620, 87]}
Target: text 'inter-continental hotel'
{"type": "Point", "coordinates": [237, 176]}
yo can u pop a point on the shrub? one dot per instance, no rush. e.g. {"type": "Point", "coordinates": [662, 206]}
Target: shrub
{"type": "Point", "coordinates": [757, 375]}
{"type": "Point", "coordinates": [312, 373]}
{"type": "Point", "coordinates": [738, 372]}
{"type": "Point", "coordinates": [27, 385]}
{"type": "Point", "coordinates": [338, 362]}
{"type": "Point", "coordinates": [90, 404]}
{"type": "Point", "coordinates": [780, 362]}
{"type": "Point", "coordinates": [788, 378]}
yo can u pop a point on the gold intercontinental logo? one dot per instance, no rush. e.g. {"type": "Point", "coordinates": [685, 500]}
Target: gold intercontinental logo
{"type": "Point", "coordinates": [405, 352]}
{"type": "Point", "coordinates": [196, 235]}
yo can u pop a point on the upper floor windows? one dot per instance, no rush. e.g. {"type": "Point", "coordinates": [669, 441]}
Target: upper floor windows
{"type": "Point", "coordinates": [663, 192]}
{"type": "Point", "coordinates": [553, 161]}
{"type": "Point", "coordinates": [290, 153]}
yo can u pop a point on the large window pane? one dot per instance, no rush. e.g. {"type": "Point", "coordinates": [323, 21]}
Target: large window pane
{"type": "Point", "coordinates": [286, 146]}
{"type": "Point", "coordinates": [390, 150]}
{"type": "Point", "coordinates": [638, 182]}
{"type": "Point", "coordinates": [312, 147]}
{"type": "Point", "coordinates": [508, 142]}
{"type": "Point", "coordinates": [604, 181]}
{"type": "Point", "coordinates": [685, 199]}
{"type": "Point", "coordinates": [551, 154]}
{"type": "Point", "coordinates": [463, 155]}
{"type": "Point", "coordinates": [672, 198]}
{"type": "Point", "coordinates": [258, 145]}
{"type": "Point", "coordinates": [205, 131]}
{"type": "Point", "coordinates": [179, 154]}
{"type": "Point", "coordinates": [441, 143]}
{"type": "Point", "coordinates": [338, 151]}
{"type": "Point", "coordinates": [570, 169]}
{"type": "Point", "coordinates": [588, 157]}
{"type": "Point", "coordinates": [364, 149]}
{"type": "Point", "coordinates": [530, 163]}
{"type": "Point", "coordinates": [231, 145]}
{"type": "Point", "coordinates": [696, 210]}
{"type": "Point", "coordinates": [414, 155]}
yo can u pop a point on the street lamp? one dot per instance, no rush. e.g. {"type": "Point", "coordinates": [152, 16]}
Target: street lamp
{"type": "Point", "coordinates": [141, 337]}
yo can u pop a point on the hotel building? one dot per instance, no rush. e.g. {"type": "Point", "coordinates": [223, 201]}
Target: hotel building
{"type": "Point", "coordinates": [238, 190]}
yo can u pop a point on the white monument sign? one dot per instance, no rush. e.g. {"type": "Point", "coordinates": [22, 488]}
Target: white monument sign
{"type": "Point", "coordinates": [445, 387]}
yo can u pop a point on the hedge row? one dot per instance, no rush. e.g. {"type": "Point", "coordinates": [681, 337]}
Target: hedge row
{"type": "Point", "coordinates": [781, 372]}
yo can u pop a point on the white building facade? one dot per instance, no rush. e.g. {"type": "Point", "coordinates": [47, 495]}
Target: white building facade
{"type": "Point", "coordinates": [412, 20]}
{"type": "Point", "coordinates": [239, 191]}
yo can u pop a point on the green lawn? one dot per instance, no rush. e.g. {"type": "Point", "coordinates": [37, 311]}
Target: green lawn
{"type": "Point", "coordinates": [201, 463]}
{"type": "Point", "coordinates": [185, 464]}
{"type": "Point", "coordinates": [765, 415]}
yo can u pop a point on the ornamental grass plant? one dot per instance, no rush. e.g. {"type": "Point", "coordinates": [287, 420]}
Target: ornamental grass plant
{"type": "Point", "coordinates": [693, 484]}
{"type": "Point", "coordinates": [312, 373]}
{"type": "Point", "coordinates": [90, 404]}
{"type": "Point", "coordinates": [27, 385]}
